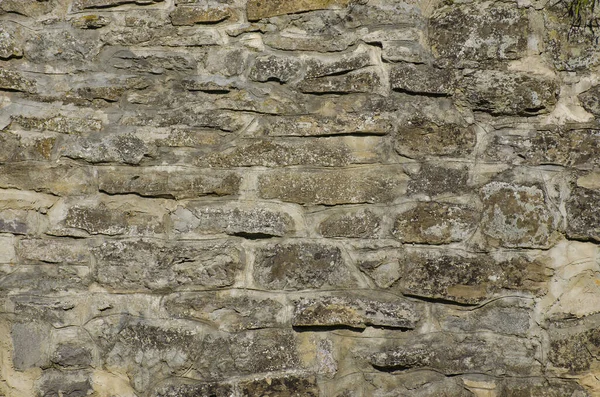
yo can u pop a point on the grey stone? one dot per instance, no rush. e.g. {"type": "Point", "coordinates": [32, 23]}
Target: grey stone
{"type": "Point", "coordinates": [10, 42]}
{"type": "Point", "coordinates": [11, 80]}
{"type": "Point", "coordinates": [583, 220]}
{"type": "Point", "coordinates": [68, 383]}
{"type": "Point", "coordinates": [421, 79]}
{"type": "Point", "coordinates": [361, 223]}
{"type": "Point", "coordinates": [303, 265]}
{"type": "Point", "coordinates": [30, 342]}
{"type": "Point", "coordinates": [434, 180]}
{"type": "Point", "coordinates": [84, 4]}
{"type": "Point", "coordinates": [287, 386]}
{"type": "Point", "coordinates": [67, 355]}
{"type": "Point", "coordinates": [57, 179]}
{"type": "Point", "coordinates": [275, 68]}
{"type": "Point", "coordinates": [342, 186]}
{"type": "Point", "coordinates": [365, 80]}
{"type": "Point", "coordinates": [257, 10]}
{"type": "Point", "coordinates": [156, 265]}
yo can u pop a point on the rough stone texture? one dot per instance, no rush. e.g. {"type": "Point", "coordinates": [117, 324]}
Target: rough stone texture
{"type": "Point", "coordinates": [285, 198]}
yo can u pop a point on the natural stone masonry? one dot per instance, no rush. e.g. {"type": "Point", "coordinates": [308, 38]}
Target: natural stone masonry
{"type": "Point", "coordinates": [285, 198]}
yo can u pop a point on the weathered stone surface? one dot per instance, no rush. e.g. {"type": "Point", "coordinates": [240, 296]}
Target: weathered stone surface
{"type": "Point", "coordinates": [101, 148]}
{"type": "Point", "coordinates": [583, 219]}
{"type": "Point", "coordinates": [361, 223]}
{"type": "Point", "coordinates": [365, 80]}
{"type": "Point", "coordinates": [433, 180]}
{"type": "Point", "coordinates": [298, 266]}
{"type": "Point", "coordinates": [540, 387]}
{"type": "Point", "coordinates": [258, 9]}
{"type": "Point", "coordinates": [68, 383]}
{"type": "Point", "coordinates": [59, 123]}
{"type": "Point", "coordinates": [29, 341]}
{"type": "Point", "coordinates": [10, 46]}
{"type": "Point", "coordinates": [349, 123]}
{"type": "Point", "coordinates": [189, 388]}
{"type": "Point", "coordinates": [20, 222]}
{"type": "Point", "coordinates": [170, 182]}
{"type": "Point", "coordinates": [63, 251]}
{"type": "Point", "coordinates": [421, 79]}
{"type": "Point", "coordinates": [84, 4]}
{"type": "Point", "coordinates": [574, 344]}
{"type": "Point", "coordinates": [275, 68]}
{"type": "Point", "coordinates": [321, 66]}
{"type": "Point", "coordinates": [191, 15]}
{"type": "Point", "coordinates": [417, 384]}
{"type": "Point", "coordinates": [517, 216]}
{"type": "Point", "coordinates": [29, 8]}
{"type": "Point", "coordinates": [348, 186]}
{"type": "Point", "coordinates": [464, 278]}
{"type": "Point", "coordinates": [288, 386]}
{"type": "Point", "coordinates": [451, 354]}
{"type": "Point", "coordinates": [472, 33]}
{"type": "Point", "coordinates": [549, 145]}
{"type": "Point", "coordinates": [435, 223]}
{"type": "Point", "coordinates": [249, 352]}
{"type": "Point", "coordinates": [60, 180]}
{"type": "Point", "coordinates": [67, 355]}
{"type": "Point", "coordinates": [156, 265]}
{"type": "Point", "coordinates": [347, 310]}
{"type": "Point", "coordinates": [230, 311]}
{"type": "Point", "coordinates": [326, 152]}
{"type": "Point", "coordinates": [590, 100]}
{"type": "Point", "coordinates": [90, 22]}
{"type": "Point", "coordinates": [252, 219]}
{"type": "Point", "coordinates": [509, 93]}
{"type": "Point", "coordinates": [11, 80]}
{"type": "Point", "coordinates": [107, 216]}
{"type": "Point", "coordinates": [422, 139]}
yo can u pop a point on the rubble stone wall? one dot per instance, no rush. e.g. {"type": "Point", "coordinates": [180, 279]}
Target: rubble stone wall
{"type": "Point", "coordinates": [285, 198]}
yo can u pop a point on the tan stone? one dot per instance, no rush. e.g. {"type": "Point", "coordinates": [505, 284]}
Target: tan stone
{"type": "Point", "coordinates": [258, 9]}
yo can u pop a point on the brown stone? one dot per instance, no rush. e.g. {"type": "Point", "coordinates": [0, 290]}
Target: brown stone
{"type": "Point", "coordinates": [362, 223]}
{"type": "Point", "coordinates": [354, 82]}
{"type": "Point", "coordinates": [191, 15]}
{"type": "Point", "coordinates": [259, 9]}
{"type": "Point", "coordinates": [435, 223]}
{"type": "Point", "coordinates": [422, 139]}
{"type": "Point", "coordinates": [583, 217]}
{"type": "Point", "coordinates": [11, 80]}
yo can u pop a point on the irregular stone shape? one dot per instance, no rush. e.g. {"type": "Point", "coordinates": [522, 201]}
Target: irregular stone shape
{"type": "Point", "coordinates": [327, 152]}
{"type": "Point", "coordinates": [20, 222]}
{"type": "Point", "coordinates": [417, 384]}
{"type": "Point", "coordinates": [63, 251]}
{"type": "Point", "coordinates": [362, 223]}
{"type": "Point", "coordinates": [71, 50]}
{"type": "Point", "coordinates": [461, 35]}
{"type": "Point", "coordinates": [230, 311]}
{"type": "Point", "coordinates": [251, 220]}
{"type": "Point", "coordinates": [341, 123]}
{"type": "Point", "coordinates": [107, 93]}
{"type": "Point", "coordinates": [90, 22]}
{"type": "Point", "coordinates": [402, 51]}
{"type": "Point", "coordinates": [154, 63]}
{"type": "Point", "coordinates": [259, 9]}
{"type": "Point", "coordinates": [84, 4]}
{"type": "Point", "coordinates": [561, 146]}
{"type": "Point", "coordinates": [11, 80]}
{"type": "Point", "coordinates": [342, 186]}
{"type": "Point", "coordinates": [29, 8]}
{"type": "Point", "coordinates": [67, 383]}
{"type": "Point", "coordinates": [222, 120]}
{"type": "Point", "coordinates": [583, 218]}
{"type": "Point", "coordinates": [354, 312]}
{"type": "Point", "coordinates": [178, 183]}
{"type": "Point", "coordinates": [463, 278]}
{"type": "Point", "coordinates": [422, 139]}
{"type": "Point", "coordinates": [297, 266]}
{"type": "Point", "coordinates": [146, 350]}
{"type": "Point", "coordinates": [191, 15]}
{"type": "Point", "coordinates": [275, 68]}
{"type": "Point", "coordinates": [517, 216]}
{"type": "Point", "coordinates": [452, 354]}
{"type": "Point", "coordinates": [287, 386]}
{"type": "Point", "coordinates": [156, 265]}
{"type": "Point", "coordinates": [9, 43]}
{"type": "Point", "coordinates": [210, 84]}
{"type": "Point", "coordinates": [111, 219]}
{"type": "Point", "coordinates": [509, 93]}
{"type": "Point", "coordinates": [29, 342]}
{"type": "Point", "coordinates": [574, 344]}
{"type": "Point", "coordinates": [60, 180]}
{"type": "Point", "coordinates": [433, 180]}
{"type": "Point", "coordinates": [590, 100]}
{"type": "Point", "coordinates": [69, 355]}
{"type": "Point", "coordinates": [189, 388]}
{"type": "Point", "coordinates": [45, 279]}
{"type": "Point", "coordinates": [354, 82]}
{"type": "Point", "coordinates": [248, 353]}
{"type": "Point", "coordinates": [320, 66]}
{"type": "Point", "coordinates": [541, 387]}
{"type": "Point", "coordinates": [60, 123]}
{"type": "Point", "coordinates": [435, 223]}
{"type": "Point", "coordinates": [503, 316]}
{"type": "Point", "coordinates": [102, 148]}
{"type": "Point", "coordinates": [329, 41]}
{"type": "Point", "coordinates": [421, 79]}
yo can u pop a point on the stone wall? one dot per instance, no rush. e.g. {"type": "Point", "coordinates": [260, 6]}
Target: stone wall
{"type": "Point", "coordinates": [343, 198]}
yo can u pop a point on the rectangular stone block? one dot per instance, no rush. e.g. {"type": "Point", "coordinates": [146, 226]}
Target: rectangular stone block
{"type": "Point", "coordinates": [342, 186]}
{"type": "Point", "coordinates": [60, 180]}
{"type": "Point", "coordinates": [169, 182]}
{"type": "Point", "coordinates": [157, 265]}
{"type": "Point", "coordinates": [257, 9]}
{"type": "Point", "coordinates": [11, 80]}
{"type": "Point", "coordinates": [60, 251]}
